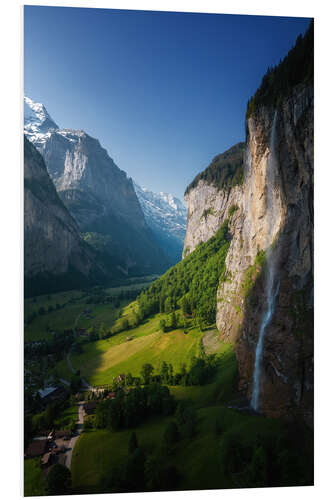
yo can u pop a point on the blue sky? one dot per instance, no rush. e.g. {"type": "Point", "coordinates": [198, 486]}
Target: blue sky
{"type": "Point", "coordinates": [163, 92]}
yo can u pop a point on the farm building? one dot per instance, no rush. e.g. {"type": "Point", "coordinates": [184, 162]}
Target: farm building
{"type": "Point", "coordinates": [90, 407]}
{"type": "Point", "coordinates": [36, 448]}
{"type": "Point", "coordinates": [50, 394]}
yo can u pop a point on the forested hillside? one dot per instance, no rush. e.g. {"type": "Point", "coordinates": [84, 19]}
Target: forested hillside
{"type": "Point", "coordinates": [191, 285]}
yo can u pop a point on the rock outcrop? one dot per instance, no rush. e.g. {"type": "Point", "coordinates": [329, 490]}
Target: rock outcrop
{"type": "Point", "coordinates": [207, 202]}
{"type": "Point", "coordinates": [55, 257]}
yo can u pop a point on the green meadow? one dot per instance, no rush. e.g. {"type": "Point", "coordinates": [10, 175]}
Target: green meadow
{"type": "Point", "coordinates": [33, 478]}
{"type": "Point", "coordinates": [70, 305]}
{"type": "Point", "coordinates": [102, 360]}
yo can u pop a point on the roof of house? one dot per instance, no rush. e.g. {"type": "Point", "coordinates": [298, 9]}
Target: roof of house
{"type": "Point", "coordinates": [91, 405]}
{"type": "Point", "coordinates": [36, 448]}
{"type": "Point", "coordinates": [59, 434]}
{"type": "Point", "coordinates": [45, 392]}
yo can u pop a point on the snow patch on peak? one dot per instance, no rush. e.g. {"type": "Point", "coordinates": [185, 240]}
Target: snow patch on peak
{"type": "Point", "coordinates": [38, 124]}
{"type": "Point", "coordinates": [163, 210]}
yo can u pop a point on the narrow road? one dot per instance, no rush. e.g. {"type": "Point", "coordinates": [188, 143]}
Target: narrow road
{"type": "Point", "coordinates": [72, 442]}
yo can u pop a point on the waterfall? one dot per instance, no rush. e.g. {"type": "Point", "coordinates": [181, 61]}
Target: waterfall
{"type": "Point", "coordinates": [271, 287]}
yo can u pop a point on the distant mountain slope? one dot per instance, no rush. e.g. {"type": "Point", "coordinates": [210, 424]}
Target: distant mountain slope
{"type": "Point", "coordinates": [99, 195]}
{"type": "Point", "coordinates": [166, 217]}
{"type": "Point", "coordinates": [55, 256]}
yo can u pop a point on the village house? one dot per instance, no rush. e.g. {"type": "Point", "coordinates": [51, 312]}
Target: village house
{"type": "Point", "coordinates": [36, 448]}
{"type": "Point", "coordinates": [90, 407]}
{"type": "Point", "coordinates": [50, 394]}
{"type": "Point", "coordinates": [111, 395]}
{"type": "Point", "coordinates": [65, 434]}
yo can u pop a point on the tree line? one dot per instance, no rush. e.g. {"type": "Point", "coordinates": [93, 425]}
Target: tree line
{"type": "Point", "coordinates": [295, 68]}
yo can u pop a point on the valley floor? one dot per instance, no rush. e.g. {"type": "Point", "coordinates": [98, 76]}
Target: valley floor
{"type": "Point", "coordinates": [200, 459]}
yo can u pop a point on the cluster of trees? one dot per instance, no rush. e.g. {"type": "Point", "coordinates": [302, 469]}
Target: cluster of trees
{"type": "Point", "coordinates": [143, 471]}
{"type": "Point", "coordinates": [200, 372]}
{"type": "Point", "coordinates": [41, 311]}
{"type": "Point", "coordinates": [225, 171]}
{"type": "Point", "coordinates": [129, 408]}
{"type": "Point", "coordinates": [191, 285]}
{"type": "Point", "coordinates": [102, 297]}
{"type": "Point", "coordinates": [57, 346]}
{"type": "Point", "coordinates": [50, 417]}
{"type": "Point", "coordinates": [270, 460]}
{"type": "Point", "coordinates": [278, 82]}
{"type": "Point", "coordinates": [58, 480]}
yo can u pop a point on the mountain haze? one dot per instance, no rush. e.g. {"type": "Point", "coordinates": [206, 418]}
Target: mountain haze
{"type": "Point", "coordinates": [166, 216]}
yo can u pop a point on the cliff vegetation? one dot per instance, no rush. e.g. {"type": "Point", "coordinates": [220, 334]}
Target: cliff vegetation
{"type": "Point", "coordinates": [294, 69]}
{"type": "Point", "coordinates": [225, 171]}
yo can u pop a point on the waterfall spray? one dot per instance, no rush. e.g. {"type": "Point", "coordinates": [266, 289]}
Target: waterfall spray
{"type": "Point", "coordinates": [271, 288]}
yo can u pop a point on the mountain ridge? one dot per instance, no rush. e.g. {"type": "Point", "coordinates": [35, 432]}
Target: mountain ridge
{"type": "Point", "coordinates": [166, 216]}
{"type": "Point", "coordinates": [99, 195]}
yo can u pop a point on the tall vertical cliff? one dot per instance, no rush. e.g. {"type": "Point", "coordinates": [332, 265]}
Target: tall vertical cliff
{"type": "Point", "coordinates": [270, 211]}
{"type": "Point", "coordinates": [55, 257]}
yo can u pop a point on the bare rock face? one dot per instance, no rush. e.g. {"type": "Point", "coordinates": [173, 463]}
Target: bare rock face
{"type": "Point", "coordinates": [54, 253]}
{"type": "Point", "coordinates": [275, 211]}
{"type": "Point", "coordinates": [211, 195]}
{"type": "Point", "coordinates": [207, 208]}
{"type": "Point", "coordinates": [76, 161]}
{"type": "Point", "coordinates": [101, 198]}
{"type": "Point", "coordinates": [286, 382]}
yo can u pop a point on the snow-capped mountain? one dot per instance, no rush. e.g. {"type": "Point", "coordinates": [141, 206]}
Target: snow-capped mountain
{"type": "Point", "coordinates": [38, 124]}
{"type": "Point", "coordinates": [166, 216]}
{"type": "Point", "coordinates": [86, 177]}
{"type": "Point", "coordinates": [99, 196]}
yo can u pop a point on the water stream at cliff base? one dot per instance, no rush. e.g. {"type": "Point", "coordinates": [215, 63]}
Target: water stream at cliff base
{"type": "Point", "coordinates": [271, 287]}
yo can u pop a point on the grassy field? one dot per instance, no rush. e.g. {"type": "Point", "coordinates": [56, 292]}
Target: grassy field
{"type": "Point", "coordinates": [33, 478]}
{"type": "Point", "coordinates": [105, 359]}
{"type": "Point", "coordinates": [197, 459]}
{"type": "Point", "coordinates": [56, 321]}
{"type": "Point", "coordinates": [221, 389]}
{"type": "Point", "coordinates": [67, 418]}
{"type": "Point", "coordinates": [74, 303]}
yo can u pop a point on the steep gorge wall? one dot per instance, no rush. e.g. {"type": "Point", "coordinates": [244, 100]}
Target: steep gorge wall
{"type": "Point", "coordinates": [55, 257]}
{"type": "Point", "coordinates": [101, 199]}
{"type": "Point", "coordinates": [207, 208]}
{"type": "Point", "coordinates": [287, 361]}
{"type": "Point", "coordinates": [286, 384]}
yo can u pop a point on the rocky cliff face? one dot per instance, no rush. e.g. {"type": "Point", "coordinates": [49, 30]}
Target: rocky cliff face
{"type": "Point", "coordinates": [99, 196]}
{"type": "Point", "coordinates": [207, 208]}
{"type": "Point", "coordinates": [55, 257]}
{"type": "Point", "coordinates": [274, 210]}
{"type": "Point", "coordinates": [286, 383]}
{"type": "Point", "coordinates": [211, 195]}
